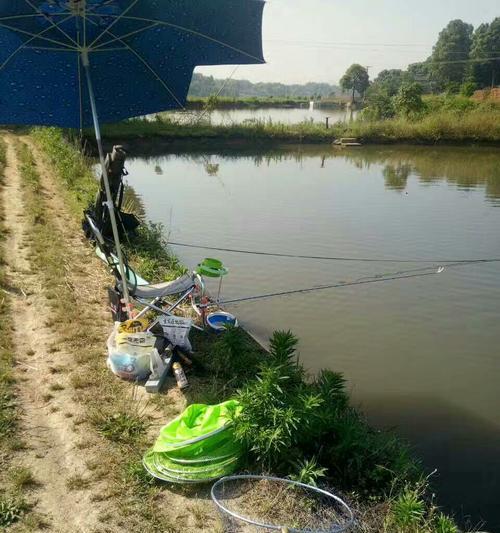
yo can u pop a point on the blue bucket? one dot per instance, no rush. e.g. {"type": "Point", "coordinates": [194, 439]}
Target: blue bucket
{"type": "Point", "coordinates": [219, 320]}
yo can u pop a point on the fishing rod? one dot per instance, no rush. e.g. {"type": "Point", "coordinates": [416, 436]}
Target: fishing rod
{"type": "Point", "coordinates": [361, 281]}
{"type": "Point", "coordinates": [376, 278]}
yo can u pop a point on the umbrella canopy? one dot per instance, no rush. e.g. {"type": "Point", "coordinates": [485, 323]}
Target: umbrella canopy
{"type": "Point", "coordinates": [141, 53]}
{"type": "Point", "coordinates": [71, 63]}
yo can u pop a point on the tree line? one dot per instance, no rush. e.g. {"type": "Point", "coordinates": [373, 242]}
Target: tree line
{"type": "Point", "coordinates": [202, 86]}
{"type": "Point", "coordinates": [462, 60]}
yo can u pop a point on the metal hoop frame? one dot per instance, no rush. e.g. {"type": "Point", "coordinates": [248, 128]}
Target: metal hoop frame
{"type": "Point", "coordinates": [333, 529]}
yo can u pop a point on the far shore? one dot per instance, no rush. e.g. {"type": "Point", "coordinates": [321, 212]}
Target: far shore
{"type": "Point", "coordinates": [432, 130]}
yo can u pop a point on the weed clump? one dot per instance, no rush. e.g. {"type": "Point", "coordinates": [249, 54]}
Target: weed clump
{"type": "Point", "coordinates": [121, 427]}
{"type": "Point", "coordinates": [11, 510]}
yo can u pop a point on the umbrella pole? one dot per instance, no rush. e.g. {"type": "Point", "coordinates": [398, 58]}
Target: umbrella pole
{"type": "Point", "coordinates": [109, 203]}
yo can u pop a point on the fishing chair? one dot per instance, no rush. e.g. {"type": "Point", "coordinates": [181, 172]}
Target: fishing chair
{"type": "Point", "coordinates": [127, 222]}
{"type": "Point", "coordinates": [149, 296]}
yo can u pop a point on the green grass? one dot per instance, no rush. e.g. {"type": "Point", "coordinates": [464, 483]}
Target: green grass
{"type": "Point", "coordinates": [112, 425]}
{"type": "Point", "coordinates": [8, 409]}
{"type": "Point", "coordinates": [73, 168]}
{"type": "Point", "coordinates": [124, 427]}
{"type": "Point", "coordinates": [12, 504]}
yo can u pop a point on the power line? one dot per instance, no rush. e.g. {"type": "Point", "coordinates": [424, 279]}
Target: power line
{"type": "Point", "coordinates": [348, 43]}
{"type": "Point", "coordinates": [336, 258]}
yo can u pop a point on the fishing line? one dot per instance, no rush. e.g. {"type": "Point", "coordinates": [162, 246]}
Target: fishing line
{"type": "Point", "coordinates": [334, 258]}
{"type": "Point", "coordinates": [228, 79]}
{"type": "Point", "coordinates": [376, 278]}
{"type": "Point", "coordinates": [360, 281]}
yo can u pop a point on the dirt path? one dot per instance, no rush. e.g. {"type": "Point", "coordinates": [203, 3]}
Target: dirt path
{"type": "Point", "coordinates": [77, 472]}
{"type": "Point", "coordinates": [48, 410]}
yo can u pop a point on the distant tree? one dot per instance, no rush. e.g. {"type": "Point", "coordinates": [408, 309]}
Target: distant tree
{"type": "Point", "coordinates": [390, 80]}
{"type": "Point", "coordinates": [380, 104]}
{"type": "Point", "coordinates": [448, 61]}
{"type": "Point", "coordinates": [452, 88]}
{"type": "Point", "coordinates": [355, 79]}
{"type": "Point", "coordinates": [408, 102]}
{"type": "Point", "coordinates": [420, 73]}
{"type": "Point", "coordinates": [207, 85]}
{"type": "Point", "coordinates": [467, 88]}
{"type": "Point", "coordinates": [486, 45]}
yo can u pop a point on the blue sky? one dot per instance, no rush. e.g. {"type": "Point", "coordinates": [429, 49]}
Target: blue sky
{"type": "Point", "coordinates": [316, 40]}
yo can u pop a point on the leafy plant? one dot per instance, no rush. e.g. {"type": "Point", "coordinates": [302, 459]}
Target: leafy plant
{"type": "Point", "coordinates": [11, 510]}
{"type": "Point", "coordinates": [308, 471]}
{"type": "Point", "coordinates": [233, 357]}
{"type": "Point", "coordinates": [444, 524]}
{"type": "Point", "coordinates": [408, 510]}
{"type": "Point", "coordinates": [408, 102]}
{"type": "Point", "coordinates": [282, 346]}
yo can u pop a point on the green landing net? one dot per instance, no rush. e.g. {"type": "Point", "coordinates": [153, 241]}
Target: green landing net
{"type": "Point", "coordinates": [197, 446]}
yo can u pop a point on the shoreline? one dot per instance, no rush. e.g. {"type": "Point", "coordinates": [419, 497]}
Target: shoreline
{"type": "Point", "coordinates": [436, 129]}
{"type": "Point", "coordinates": [377, 469]}
{"type": "Point", "coordinates": [156, 145]}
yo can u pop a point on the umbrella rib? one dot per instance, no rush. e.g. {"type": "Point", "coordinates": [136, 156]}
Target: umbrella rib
{"type": "Point", "coordinates": [194, 32]}
{"type": "Point", "coordinates": [26, 43]}
{"type": "Point", "coordinates": [145, 63]}
{"type": "Point", "coordinates": [50, 21]}
{"type": "Point", "coordinates": [117, 19]}
{"type": "Point", "coordinates": [97, 48]}
{"type": "Point", "coordinates": [39, 35]}
{"type": "Point", "coordinates": [155, 74]}
{"type": "Point", "coordinates": [50, 49]}
{"type": "Point", "coordinates": [31, 15]}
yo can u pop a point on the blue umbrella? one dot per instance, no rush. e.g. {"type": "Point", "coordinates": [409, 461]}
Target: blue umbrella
{"type": "Point", "coordinates": [73, 63]}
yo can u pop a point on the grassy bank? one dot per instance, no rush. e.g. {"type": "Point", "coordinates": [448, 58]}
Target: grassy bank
{"type": "Point", "coordinates": [12, 503]}
{"type": "Point", "coordinates": [227, 102]}
{"type": "Point", "coordinates": [292, 424]}
{"type": "Point", "coordinates": [7, 401]}
{"type": "Point", "coordinates": [115, 423]}
{"type": "Point", "coordinates": [440, 123]}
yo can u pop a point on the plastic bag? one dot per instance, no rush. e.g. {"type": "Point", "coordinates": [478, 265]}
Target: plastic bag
{"type": "Point", "coordinates": [129, 354]}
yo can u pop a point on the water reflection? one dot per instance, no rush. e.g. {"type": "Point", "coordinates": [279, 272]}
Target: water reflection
{"type": "Point", "coordinates": [464, 167]}
{"type": "Point", "coordinates": [396, 176]}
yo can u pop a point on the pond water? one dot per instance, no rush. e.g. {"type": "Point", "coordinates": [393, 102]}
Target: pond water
{"type": "Point", "coordinates": [421, 354]}
{"type": "Point", "coordinates": [273, 114]}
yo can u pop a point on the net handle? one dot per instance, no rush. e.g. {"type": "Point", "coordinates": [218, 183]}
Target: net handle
{"type": "Point", "coordinates": [334, 529]}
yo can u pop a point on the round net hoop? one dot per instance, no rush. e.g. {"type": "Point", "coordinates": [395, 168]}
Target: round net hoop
{"type": "Point", "coordinates": [218, 494]}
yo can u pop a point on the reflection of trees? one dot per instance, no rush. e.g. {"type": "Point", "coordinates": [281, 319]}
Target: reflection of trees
{"type": "Point", "coordinates": [211, 169]}
{"type": "Point", "coordinates": [132, 203]}
{"type": "Point", "coordinates": [464, 167]}
{"type": "Point", "coordinates": [396, 176]}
